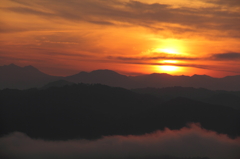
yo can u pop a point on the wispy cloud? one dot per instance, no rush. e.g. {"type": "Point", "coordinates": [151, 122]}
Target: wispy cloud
{"type": "Point", "coordinates": [191, 141]}
{"type": "Point", "coordinates": [122, 30]}
{"type": "Point", "coordinates": [233, 3]}
{"type": "Point", "coordinates": [102, 12]}
{"type": "Point", "coordinates": [26, 10]}
{"type": "Point", "coordinates": [161, 56]}
{"type": "Point", "coordinates": [183, 61]}
{"type": "Point", "coordinates": [173, 64]}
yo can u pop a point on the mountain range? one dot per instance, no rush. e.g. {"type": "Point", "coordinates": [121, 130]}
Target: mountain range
{"type": "Point", "coordinates": [12, 76]}
{"type": "Point", "coordinates": [90, 111]}
{"type": "Point", "coordinates": [218, 97]}
{"type": "Point", "coordinates": [105, 107]}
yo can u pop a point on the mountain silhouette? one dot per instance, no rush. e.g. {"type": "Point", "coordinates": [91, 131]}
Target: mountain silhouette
{"type": "Point", "coordinates": [13, 76]}
{"type": "Point", "coordinates": [159, 80]}
{"type": "Point", "coordinates": [219, 97]}
{"type": "Point", "coordinates": [231, 99]}
{"type": "Point", "coordinates": [106, 77]}
{"type": "Point", "coordinates": [59, 83]}
{"type": "Point", "coordinates": [197, 81]}
{"type": "Point", "coordinates": [91, 111]}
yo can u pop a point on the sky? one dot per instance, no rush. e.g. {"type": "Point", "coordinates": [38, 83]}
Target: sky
{"type": "Point", "coordinates": [131, 37]}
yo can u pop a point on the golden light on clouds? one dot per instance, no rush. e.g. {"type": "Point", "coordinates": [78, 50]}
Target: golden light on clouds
{"type": "Point", "coordinates": [170, 61]}
{"type": "Point", "coordinates": [172, 47]}
{"type": "Point", "coordinates": [169, 66]}
{"type": "Point", "coordinates": [167, 50]}
{"type": "Point", "coordinates": [85, 35]}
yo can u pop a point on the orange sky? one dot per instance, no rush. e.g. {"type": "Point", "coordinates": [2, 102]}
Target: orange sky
{"type": "Point", "coordinates": [130, 37]}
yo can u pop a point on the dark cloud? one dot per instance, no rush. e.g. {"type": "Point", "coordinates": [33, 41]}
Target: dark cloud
{"type": "Point", "coordinates": [192, 62]}
{"type": "Point", "coordinates": [25, 10]}
{"type": "Point", "coordinates": [102, 22]}
{"type": "Point", "coordinates": [191, 141]}
{"type": "Point", "coordinates": [105, 12]}
{"type": "Point", "coordinates": [161, 56]}
{"type": "Point", "coordinates": [180, 65]}
{"type": "Point", "coordinates": [227, 56]}
{"type": "Point", "coordinates": [147, 61]}
{"type": "Point", "coordinates": [6, 28]}
{"type": "Point", "coordinates": [233, 3]}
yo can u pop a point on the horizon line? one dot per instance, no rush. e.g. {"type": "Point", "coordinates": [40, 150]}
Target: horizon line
{"type": "Point", "coordinates": [124, 73]}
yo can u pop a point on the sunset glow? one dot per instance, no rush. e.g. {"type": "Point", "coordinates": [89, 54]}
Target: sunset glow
{"type": "Point", "coordinates": [169, 61]}
{"type": "Point", "coordinates": [65, 37]}
{"type": "Point", "coordinates": [169, 51]}
{"type": "Point", "coordinates": [168, 69]}
{"type": "Point", "coordinates": [122, 79]}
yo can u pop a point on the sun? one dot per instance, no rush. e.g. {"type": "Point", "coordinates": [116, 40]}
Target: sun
{"type": "Point", "coordinates": [167, 50]}
{"type": "Point", "coordinates": [168, 68]}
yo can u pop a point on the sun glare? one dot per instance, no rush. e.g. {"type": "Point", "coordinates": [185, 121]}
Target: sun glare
{"type": "Point", "coordinates": [169, 61]}
{"type": "Point", "coordinates": [168, 68]}
{"type": "Point", "coordinates": [167, 50]}
{"type": "Point", "coordinates": [170, 46]}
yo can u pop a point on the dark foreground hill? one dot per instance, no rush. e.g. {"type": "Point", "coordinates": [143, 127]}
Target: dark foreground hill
{"type": "Point", "coordinates": [219, 97]}
{"type": "Point", "coordinates": [92, 111]}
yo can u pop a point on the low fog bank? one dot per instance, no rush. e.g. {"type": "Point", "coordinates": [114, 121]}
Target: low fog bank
{"type": "Point", "coordinates": [190, 141]}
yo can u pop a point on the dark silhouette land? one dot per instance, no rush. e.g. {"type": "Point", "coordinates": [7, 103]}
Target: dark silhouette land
{"type": "Point", "coordinates": [16, 77]}
{"type": "Point", "coordinates": [103, 103]}
{"type": "Point", "coordinates": [92, 111]}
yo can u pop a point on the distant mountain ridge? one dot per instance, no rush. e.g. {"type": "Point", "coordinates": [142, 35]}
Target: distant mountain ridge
{"type": "Point", "coordinates": [12, 76]}
{"type": "Point", "coordinates": [225, 98]}
{"type": "Point", "coordinates": [106, 77]}
{"type": "Point", "coordinates": [59, 83]}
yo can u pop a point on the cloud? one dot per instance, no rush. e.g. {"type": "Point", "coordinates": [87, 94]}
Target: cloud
{"type": "Point", "coordinates": [161, 56]}
{"type": "Point", "coordinates": [191, 141]}
{"type": "Point", "coordinates": [25, 10]}
{"type": "Point", "coordinates": [116, 12]}
{"type": "Point", "coordinates": [195, 62]}
{"type": "Point", "coordinates": [4, 28]}
{"type": "Point", "coordinates": [232, 3]}
{"type": "Point", "coordinates": [227, 56]}
{"type": "Point", "coordinates": [179, 65]}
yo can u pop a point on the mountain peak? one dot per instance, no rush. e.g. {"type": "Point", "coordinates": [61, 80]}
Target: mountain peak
{"type": "Point", "coordinates": [12, 65]}
{"type": "Point", "coordinates": [107, 73]}
{"type": "Point", "coordinates": [206, 76]}
{"type": "Point", "coordinates": [104, 71]}
{"type": "Point", "coordinates": [13, 76]}
{"type": "Point", "coordinates": [30, 67]}
{"type": "Point", "coordinates": [160, 75]}
{"type": "Point", "coordinates": [58, 83]}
